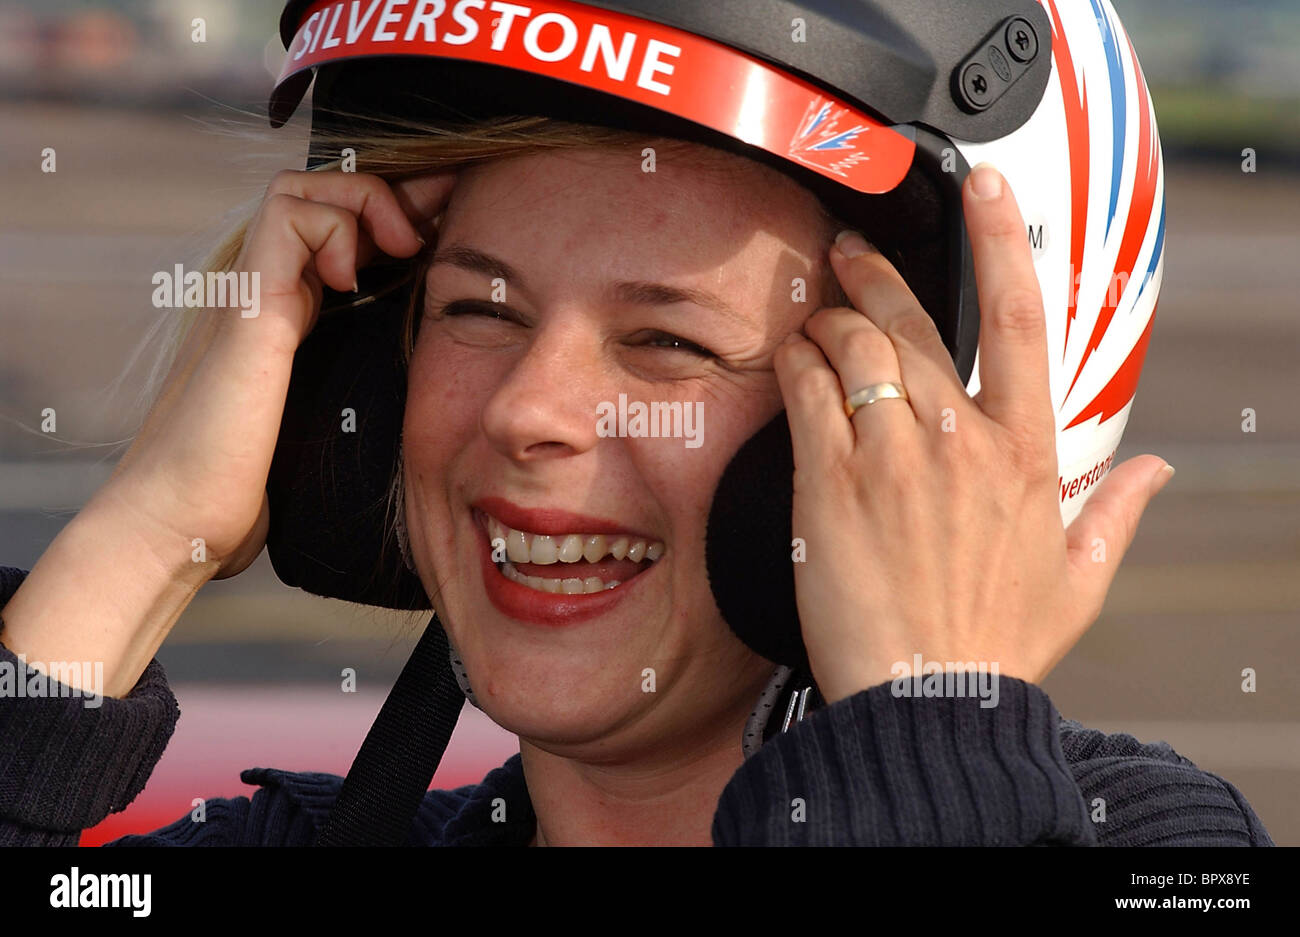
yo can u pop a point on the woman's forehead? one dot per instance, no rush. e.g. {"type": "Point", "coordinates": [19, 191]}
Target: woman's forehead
{"type": "Point", "coordinates": [660, 185]}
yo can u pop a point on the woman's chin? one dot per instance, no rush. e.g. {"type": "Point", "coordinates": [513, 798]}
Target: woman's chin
{"type": "Point", "coordinates": [562, 704]}
{"type": "Point", "coordinates": [571, 732]}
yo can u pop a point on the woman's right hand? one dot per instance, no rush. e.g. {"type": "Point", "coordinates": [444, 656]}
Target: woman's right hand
{"type": "Point", "coordinates": [198, 467]}
{"type": "Point", "coordinates": [114, 582]}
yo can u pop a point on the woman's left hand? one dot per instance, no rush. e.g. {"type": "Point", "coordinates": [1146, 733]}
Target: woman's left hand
{"type": "Point", "coordinates": [933, 524]}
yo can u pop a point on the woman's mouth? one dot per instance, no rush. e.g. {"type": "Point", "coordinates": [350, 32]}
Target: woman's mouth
{"type": "Point", "coordinates": [574, 564]}
{"type": "Point", "coordinates": [555, 577]}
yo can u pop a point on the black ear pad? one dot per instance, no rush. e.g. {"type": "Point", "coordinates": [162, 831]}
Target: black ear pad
{"type": "Point", "coordinates": [330, 477]}
{"type": "Point", "coordinates": [748, 547]}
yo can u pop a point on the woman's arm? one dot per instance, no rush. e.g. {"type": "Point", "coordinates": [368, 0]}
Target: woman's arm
{"type": "Point", "coordinates": [187, 503]}
{"type": "Point", "coordinates": [1146, 794]}
{"type": "Point", "coordinates": [878, 769]}
{"type": "Point", "coordinates": [104, 591]}
{"type": "Point", "coordinates": [70, 756]}
{"type": "Point", "coordinates": [934, 534]}
{"type": "Point", "coordinates": [932, 522]}
{"type": "Point", "coordinates": [67, 761]}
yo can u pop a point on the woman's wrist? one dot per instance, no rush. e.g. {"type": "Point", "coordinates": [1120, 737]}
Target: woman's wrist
{"type": "Point", "coordinates": [102, 594]}
{"type": "Point", "coordinates": [844, 677]}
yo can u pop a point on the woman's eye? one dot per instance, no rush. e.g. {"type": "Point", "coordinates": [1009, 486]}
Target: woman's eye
{"type": "Point", "coordinates": [666, 340]}
{"type": "Point", "coordinates": [503, 313]}
{"type": "Point", "coordinates": [474, 307]}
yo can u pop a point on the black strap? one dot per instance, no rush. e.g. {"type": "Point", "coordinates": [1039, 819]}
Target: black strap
{"type": "Point", "coordinates": [395, 765]}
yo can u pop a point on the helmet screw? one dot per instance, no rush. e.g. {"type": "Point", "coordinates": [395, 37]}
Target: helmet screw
{"type": "Point", "coordinates": [1022, 41]}
{"type": "Point", "coordinates": [976, 86]}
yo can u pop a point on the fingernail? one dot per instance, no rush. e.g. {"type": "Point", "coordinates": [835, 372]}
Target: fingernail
{"type": "Point", "coordinates": [355, 288]}
{"type": "Point", "coordinates": [793, 337]}
{"type": "Point", "coordinates": [852, 244]}
{"type": "Point", "coordinates": [1161, 479]}
{"type": "Point", "coordinates": [986, 181]}
{"type": "Point", "coordinates": [423, 242]}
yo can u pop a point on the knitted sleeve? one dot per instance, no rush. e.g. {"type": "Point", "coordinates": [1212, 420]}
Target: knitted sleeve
{"type": "Point", "coordinates": [876, 769]}
{"type": "Point", "coordinates": [1149, 795]}
{"type": "Point", "coordinates": [287, 810]}
{"type": "Point", "coordinates": [68, 760]}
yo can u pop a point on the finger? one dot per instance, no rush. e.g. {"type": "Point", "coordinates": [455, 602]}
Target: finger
{"type": "Point", "coordinates": [879, 292]}
{"type": "Point", "coordinates": [367, 196]}
{"type": "Point", "coordinates": [424, 198]}
{"type": "Point", "coordinates": [292, 233]}
{"type": "Point", "coordinates": [861, 355]}
{"type": "Point", "coordinates": [1014, 381]}
{"type": "Point", "coordinates": [1100, 536]}
{"type": "Point", "coordinates": [813, 402]}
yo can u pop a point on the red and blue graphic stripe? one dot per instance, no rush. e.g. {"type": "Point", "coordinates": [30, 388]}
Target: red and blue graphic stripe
{"type": "Point", "coordinates": [1118, 107]}
{"type": "Point", "coordinates": [1120, 388]}
{"type": "Point", "coordinates": [1076, 122]}
{"type": "Point", "coordinates": [1139, 220]}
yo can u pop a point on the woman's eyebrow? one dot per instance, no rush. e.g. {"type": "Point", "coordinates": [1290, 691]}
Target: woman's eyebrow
{"type": "Point", "coordinates": [630, 292]}
{"type": "Point", "coordinates": [643, 293]}
{"type": "Point", "coordinates": [476, 261]}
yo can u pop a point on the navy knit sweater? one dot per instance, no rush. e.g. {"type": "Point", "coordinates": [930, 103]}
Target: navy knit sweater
{"type": "Point", "coordinates": [872, 770]}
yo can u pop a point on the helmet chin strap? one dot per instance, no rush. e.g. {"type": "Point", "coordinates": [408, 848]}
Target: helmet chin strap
{"type": "Point", "coordinates": [396, 763]}
{"type": "Point", "coordinates": [402, 750]}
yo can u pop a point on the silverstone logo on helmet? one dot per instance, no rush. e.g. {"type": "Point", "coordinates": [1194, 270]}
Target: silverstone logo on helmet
{"type": "Point", "coordinates": [635, 59]}
{"type": "Point", "coordinates": [422, 24]}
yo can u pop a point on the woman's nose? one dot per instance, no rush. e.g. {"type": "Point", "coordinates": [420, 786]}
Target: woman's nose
{"type": "Point", "coordinates": [545, 405]}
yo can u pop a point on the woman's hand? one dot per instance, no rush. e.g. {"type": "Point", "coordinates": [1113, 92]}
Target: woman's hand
{"type": "Point", "coordinates": [199, 465]}
{"type": "Point", "coordinates": [931, 532]}
{"type": "Point", "coordinates": [116, 579]}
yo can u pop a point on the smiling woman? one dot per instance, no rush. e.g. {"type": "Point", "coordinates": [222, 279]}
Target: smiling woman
{"type": "Point", "coordinates": [826, 625]}
{"type": "Point", "coordinates": [518, 445]}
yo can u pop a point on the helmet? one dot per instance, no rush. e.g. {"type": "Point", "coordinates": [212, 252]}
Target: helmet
{"type": "Point", "coordinates": [877, 106]}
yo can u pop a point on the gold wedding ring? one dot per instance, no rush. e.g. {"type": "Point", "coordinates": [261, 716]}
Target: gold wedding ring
{"type": "Point", "coordinates": [885, 390]}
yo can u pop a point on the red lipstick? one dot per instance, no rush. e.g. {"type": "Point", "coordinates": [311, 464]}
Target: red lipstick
{"type": "Point", "coordinates": [530, 605]}
{"type": "Point", "coordinates": [553, 521]}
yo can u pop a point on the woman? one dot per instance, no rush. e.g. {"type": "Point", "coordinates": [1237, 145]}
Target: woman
{"type": "Point", "coordinates": [568, 565]}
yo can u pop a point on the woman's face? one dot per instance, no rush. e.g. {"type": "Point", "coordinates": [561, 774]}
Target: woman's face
{"type": "Point", "coordinates": [563, 284]}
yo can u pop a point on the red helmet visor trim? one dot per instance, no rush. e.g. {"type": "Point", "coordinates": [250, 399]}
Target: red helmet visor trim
{"type": "Point", "coordinates": [635, 59]}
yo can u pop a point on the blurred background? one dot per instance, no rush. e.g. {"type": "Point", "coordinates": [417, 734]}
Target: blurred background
{"type": "Point", "coordinates": [158, 145]}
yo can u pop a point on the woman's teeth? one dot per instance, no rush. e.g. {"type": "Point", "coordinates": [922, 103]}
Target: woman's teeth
{"type": "Point", "coordinates": [544, 549]}
{"type": "Point", "coordinates": [571, 586]}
